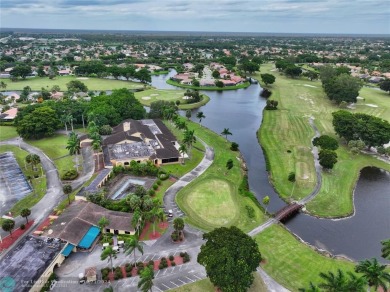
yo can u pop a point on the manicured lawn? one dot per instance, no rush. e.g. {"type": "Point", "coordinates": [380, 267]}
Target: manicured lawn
{"type": "Point", "coordinates": [55, 148]}
{"type": "Point", "coordinates": [38, 184]}
{"type": "Point", "coordinates": [286, 136]}
{"type": "Point", "coordinates": [197, 153]}
{"type": "Point", "coordinates": [206, 286]}
{"type": "Point", "coordinates": [7, 132]}
{"type": "Point", "coordinates": [162, 188]}
{"type": "Point", "coordinates": [218, 170]}
{"type": "Point", "coordinates": [211, 88]}
{"type": "Point", "coordinates": [291, 263]}
{"type": "Point", "coordinates": [212, 200]}
{"type": "Point", "coordinates": [146, 97]}
{"type": "Point", "coordinates": [37, 83]}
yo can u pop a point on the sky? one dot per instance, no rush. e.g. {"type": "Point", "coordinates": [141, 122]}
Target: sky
{"type": "Point", "coordinates": [279, 16]}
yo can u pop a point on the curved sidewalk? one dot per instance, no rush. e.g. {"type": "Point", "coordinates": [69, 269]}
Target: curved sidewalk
{"type": "Point", "coordinates": [169, 202]}
{"type": "Point", "coordinates": [170, 194]}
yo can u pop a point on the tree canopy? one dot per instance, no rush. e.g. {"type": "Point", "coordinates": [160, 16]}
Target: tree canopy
{"type": "Point", "coordinates": [41, 122]}
{"type": "Point", "coordinates": [21, 70]}
{"type": "Point", "coordinates": [339, 85]}
{"type": "Point", "coordinates": [230, 257]}
{"type": "Point", "coordinates": [76, 86]}
{"type": "Point", "coordinates": [372, 130]}
{"type": "Point", "coordinates": [385, 85]}
{"type": "Point", "coordinates": [268, 78]}
{"type": "Point", "coordinates": [114, 108]}
{"type": "Point", "coordinates": [327, 158]}
{"type": "Point", "coordinates": [326, 142]}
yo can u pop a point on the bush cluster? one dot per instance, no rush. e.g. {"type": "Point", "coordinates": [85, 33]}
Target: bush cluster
{"type": "Point", "coordinates": [70, 175]}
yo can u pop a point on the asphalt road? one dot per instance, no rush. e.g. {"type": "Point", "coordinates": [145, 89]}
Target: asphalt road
{"type": "Point", "coordinates": [54, 193]}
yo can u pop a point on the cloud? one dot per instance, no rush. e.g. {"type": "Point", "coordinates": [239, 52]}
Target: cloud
{"type": "Point", "coordinates": [221, 15]}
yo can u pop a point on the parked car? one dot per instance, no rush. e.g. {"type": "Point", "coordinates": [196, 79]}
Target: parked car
{"type": "Point", "coordinates": [170, 213]}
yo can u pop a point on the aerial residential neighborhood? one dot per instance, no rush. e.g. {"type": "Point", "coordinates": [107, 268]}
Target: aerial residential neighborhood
{"type": "Point", "coordinates": [243, 150]}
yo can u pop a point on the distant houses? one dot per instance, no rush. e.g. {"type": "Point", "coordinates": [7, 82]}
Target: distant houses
{"type": "Point", "coordinates": [227, 77]}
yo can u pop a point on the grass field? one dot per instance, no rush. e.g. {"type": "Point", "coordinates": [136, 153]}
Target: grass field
{"type": "Point", "coordinates": [218, 170]}
{"type": "Point", "coordinates": [197, 153]}
{"type": "Point", "coordinates": [206, 286]}
{"type": "Point", "coordinates": [146, 97]}
{"type": "Point", "coordinates": [37, 83]}
{"type": "Point", "coordinates": [217, 208]}
{"type": "Point", "coordinates": [291, 263]}
{"type": "Point", "coordinates": [55, 148]}
{"type": "Point", "coordinates": [286, 136]}
{"type": "Point", "coordinates": [38, 184]}
{"type": "Point", "coordinates": [7, 132]}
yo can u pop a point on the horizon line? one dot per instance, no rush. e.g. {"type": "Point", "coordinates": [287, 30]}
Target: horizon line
{"type": "Point", "coordinates": [4, 29]}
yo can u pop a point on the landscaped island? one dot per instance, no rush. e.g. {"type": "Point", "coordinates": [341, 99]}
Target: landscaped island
{"type": "Point", "coordinates": [211, 77]}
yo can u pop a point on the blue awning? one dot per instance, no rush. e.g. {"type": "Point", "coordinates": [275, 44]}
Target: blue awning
{"type": "Point", "coordinates": [89, 237]}
{"type": "Point", "coordinates": [68, 249]}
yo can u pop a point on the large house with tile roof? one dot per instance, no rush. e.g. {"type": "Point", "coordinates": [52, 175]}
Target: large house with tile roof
{"type": "Point", "coordinates": [140, 141]}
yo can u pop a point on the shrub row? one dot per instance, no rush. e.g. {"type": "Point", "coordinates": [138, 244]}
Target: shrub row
{"type": "Point", "coordinates": [140, 266]}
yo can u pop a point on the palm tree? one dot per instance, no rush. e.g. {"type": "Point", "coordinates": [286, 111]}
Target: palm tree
{"type": "Point", "coordinates": [73, 146]}
{"type": "Point", "coordinates": [386, 249]}
{"type": "Point", "coordinates": [226, 132]}
{"type": "Point", "coordinates": [65, 119]}
{"type": "Point", "coordinates": [156, 214]}
{"type": "Point", "coordinates": [96, 145]}
{"type": "Point", "coordinates": [178, 224]}
{"type": "Point", "coordinates": [92, 128]}
{"type": "Point", "coordinates": [146, 279]}
{"type": "Point", "coordinates": [375, 273]}
{"type": "Point", "coordinates": [189, 138]}
{"type": "Point", "coordinates": [200, 116]}
{"type": "Point", "coordinates": [355, 283]}
{"type": "Point", "coordinates": [71, 120]}
{"type": "Point", "coordinates": [266, 202]}
{"type": "Point", "coordinates": [188, 114]}
{"type": "Point", "coordinates": [168, 113]}
{"type": "Point", "coordinates": [33, 159]}
{"type": "Point", "coordinates": [312, 288]}
{"type": "Point", "coordinates": [132, 245]}
{"type": "Point", "coordinates": [333, 283]}
{"type": "Point", "coordinates": [109, 253]}
{"type": "Point", "coordinates": [183, 150]}
{"type": "Point", "coordinates": [136, 221]}
{"type": "Point", "coordinates": [102, 223]}
{"type": "Point", "coordinates": [25, 213]}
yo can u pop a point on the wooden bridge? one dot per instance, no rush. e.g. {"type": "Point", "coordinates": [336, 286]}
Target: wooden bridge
{"type": "Point", "coordinates": [287, 211]}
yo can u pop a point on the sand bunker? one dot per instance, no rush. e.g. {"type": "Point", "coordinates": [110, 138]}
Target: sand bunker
{"type": "Point", "coordinates": [154, 94]}
{"type": "Point", "coordinates": [308, 85]}
{"type": "Point", "coordinates": [371, 105]}
{"type": "Point", "coordinates": [186, 97]}
{"type": "Point", "coordinates": [82, 78]}
{"type": "Point", "coordinates": [359, 97]}
{"type": "Point", "coordinates": [146, 97]}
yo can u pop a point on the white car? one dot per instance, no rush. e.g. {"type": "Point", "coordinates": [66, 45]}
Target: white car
{"type": "Point", "coordinates": [170, 213]}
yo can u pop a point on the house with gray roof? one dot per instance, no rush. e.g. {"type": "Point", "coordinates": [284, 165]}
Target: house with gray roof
{"type": "Point", "coordinates": [140, 141]}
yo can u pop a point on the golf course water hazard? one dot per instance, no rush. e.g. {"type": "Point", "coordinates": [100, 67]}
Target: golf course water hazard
{"type": "Point", "coordinates": [357, 237]}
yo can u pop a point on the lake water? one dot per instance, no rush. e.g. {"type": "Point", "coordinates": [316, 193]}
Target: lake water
{"type": "Point", "coordinates": [357, 237]}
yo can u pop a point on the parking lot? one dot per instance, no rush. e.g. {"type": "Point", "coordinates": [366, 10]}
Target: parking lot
{"type": "Point", "coordinates": [164, 279]}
